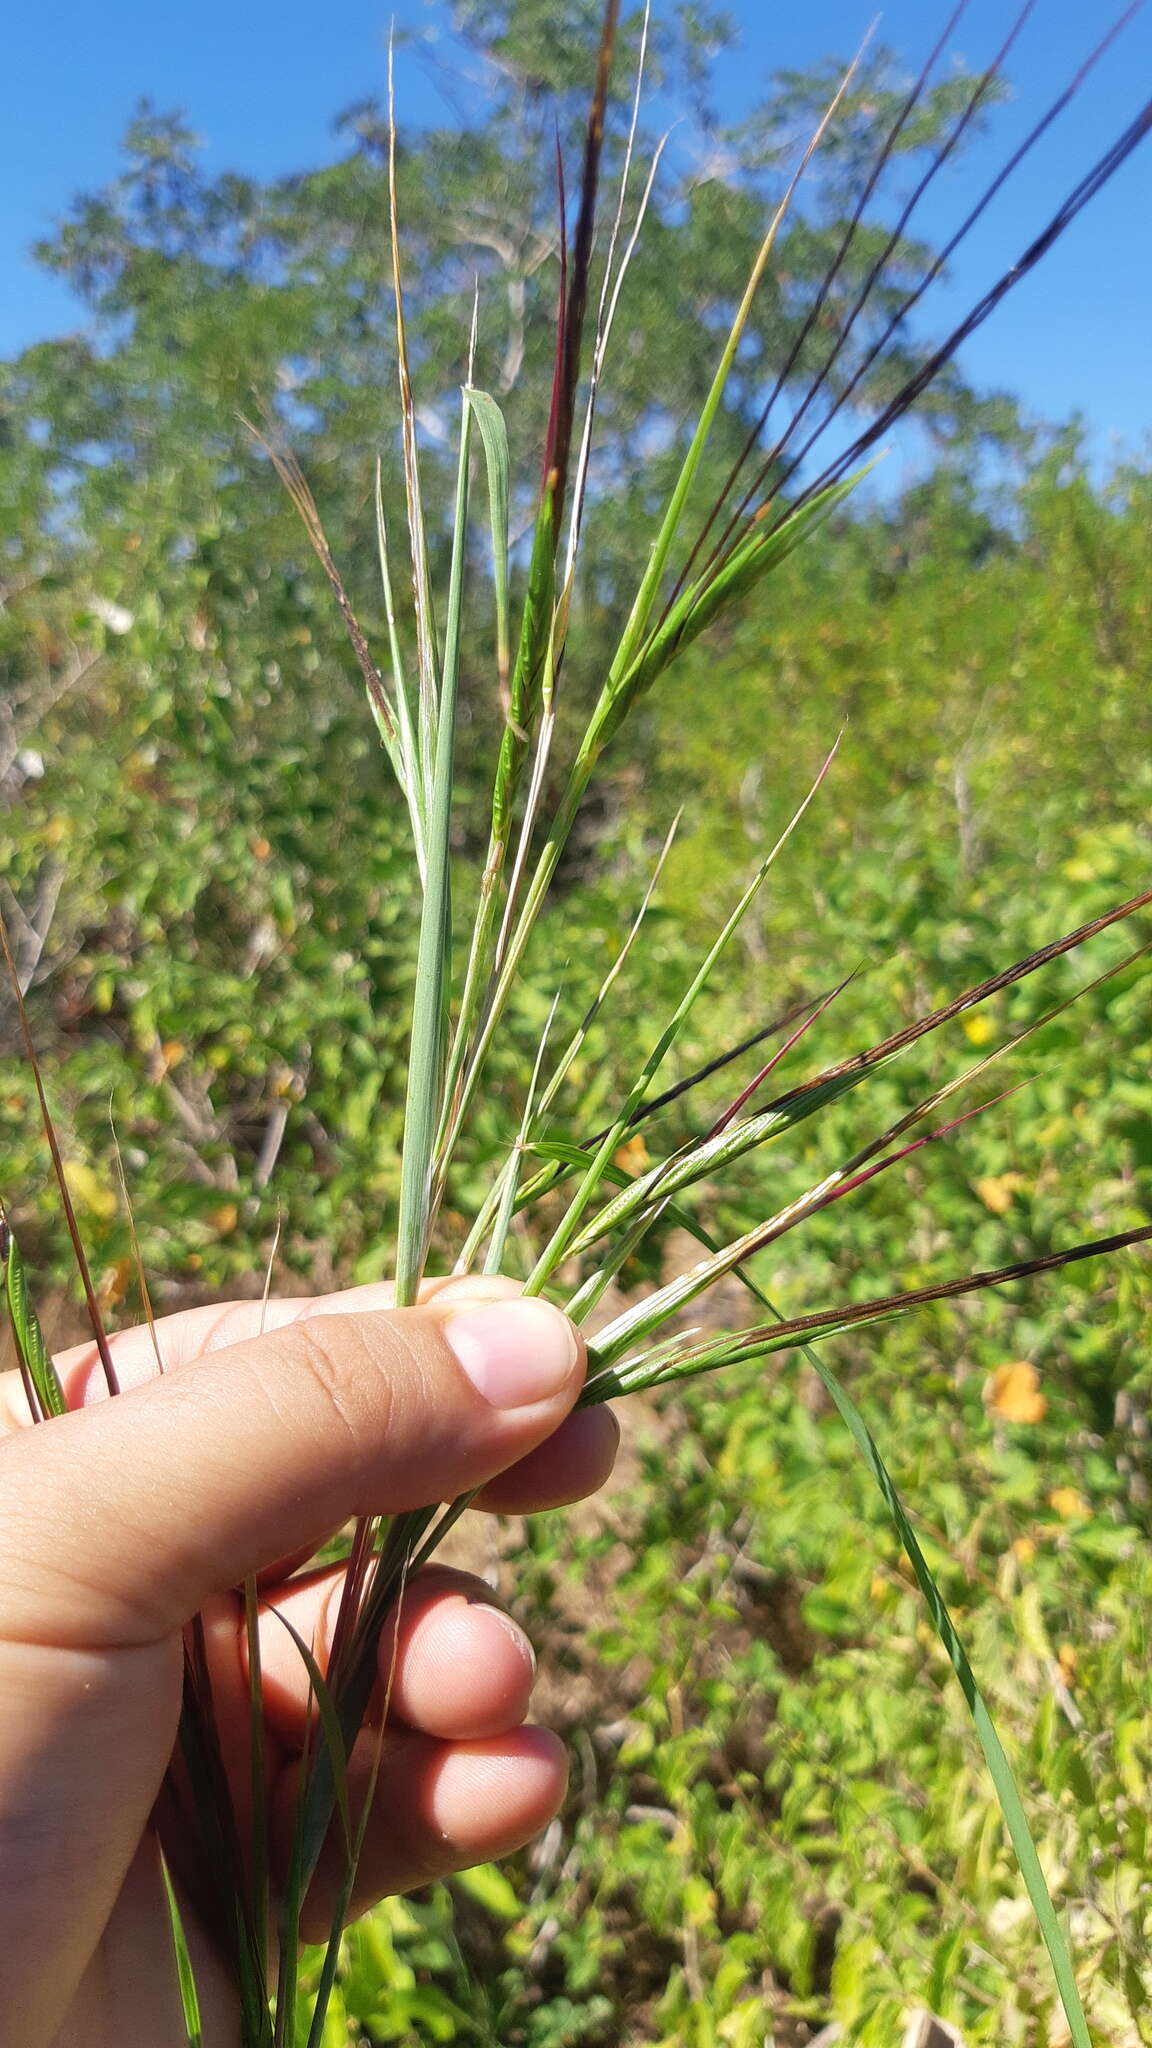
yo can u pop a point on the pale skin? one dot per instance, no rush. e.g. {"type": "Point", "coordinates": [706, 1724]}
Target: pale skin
{"type": "Point", "coordinates": [121, 1521]}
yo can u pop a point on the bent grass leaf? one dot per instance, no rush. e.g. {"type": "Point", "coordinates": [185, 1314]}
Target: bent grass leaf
{"type": "Point", "coordinates": [987, 1734]}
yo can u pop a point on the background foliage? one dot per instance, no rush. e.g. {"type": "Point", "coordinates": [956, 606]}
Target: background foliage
{"type": "Point", "coordinates": [778, 1816]}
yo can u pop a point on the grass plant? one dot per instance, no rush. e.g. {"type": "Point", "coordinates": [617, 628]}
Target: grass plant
{"type": "Point", "coordinates": [571, 1196]}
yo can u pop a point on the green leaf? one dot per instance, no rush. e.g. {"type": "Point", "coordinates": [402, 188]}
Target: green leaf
{"type": "Point", "coordinates": [189, 2002]}
{"type": "Point", "coordinates": [494, 436]}
{"type": "Point", "coordinates": [334, 1748]}
{"type": "Point", "coordinates": [489, 1888]}
{"type": "Point", "coordinates": [700, 606]}
{"type": "Point", "coordinates": [35, 1358]}
{"type": "Point", "coordinates": [567, 1230]}
{"type": "Point", "coordinates": [257, 1766]}
{"type": "Point", "coordinates": [428, 1042]}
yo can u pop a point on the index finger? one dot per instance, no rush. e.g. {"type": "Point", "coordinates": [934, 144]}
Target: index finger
{"type": "Point", "coordinates": [141, 1353]}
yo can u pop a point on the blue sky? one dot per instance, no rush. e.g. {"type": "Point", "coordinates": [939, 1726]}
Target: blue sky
{"type": "Point", "coordinates": [262, 82]}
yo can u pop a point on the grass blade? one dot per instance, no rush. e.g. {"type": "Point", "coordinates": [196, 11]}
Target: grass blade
{"type": "Point", "coordinates": [65, 1193]}
{"type": "Point", "coordinates": [689, 1360]}
{"type": "Point", "coordinates": [646, 595]}
{"type": "Point", "coordinates": [258, 1768]}
{"type": "Point", "coordinates": [410, 777]}
{"type": "Point", "coordinates": [507, 1206]}
{"type": "Point", "coordinates": [296, 484]}
{"type": "Point", "coordinates": [856, 1172]}
{"type": "Point", "coordinates": [421, 583]}
{"type": "Point", "coordinates": [189, 2001]}
{"type": "Point", "coordinates": [494, 438]}
{"type": "Point", "coordinates": [41, 1384]}
{"type": "Point", "coordinates": [788, 1110]}
{"type": "Point", "coordinates": [209, 1816]}
{"type": "Point", "coordinates": [483, 1222]}
{"type": "Point", "coordinates": [563, 1237]}
{"type": "Point", "coordinates": [334, 1745]}
{"type": "Point", "coordinates": [428, 1009]}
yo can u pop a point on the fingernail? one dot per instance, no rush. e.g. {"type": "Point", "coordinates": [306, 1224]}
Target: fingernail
{"type": "Point", "coordinates": [514, 1352]}
{"type": "Point", "coordinates": [510, 1628]}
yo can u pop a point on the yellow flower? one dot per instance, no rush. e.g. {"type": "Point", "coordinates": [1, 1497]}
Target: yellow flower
{"type": "Point", "coordinates": [1069, 1504]}
{"type": "Point", "coordinates": [89, 1192]}
{"type": "Point", "coordinates": [1013, 1394]}
{"type": "Point", "coordinates": [977, 1027]}
{"type": "Point", "coordinates": [997, 1190]}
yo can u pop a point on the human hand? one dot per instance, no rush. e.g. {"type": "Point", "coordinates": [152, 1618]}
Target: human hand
{"type": "Point", "coordinates": [123, 1519]}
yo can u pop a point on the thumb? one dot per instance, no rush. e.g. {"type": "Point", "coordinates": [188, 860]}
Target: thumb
{"type": "Point", "coordinates": [119, 1522]}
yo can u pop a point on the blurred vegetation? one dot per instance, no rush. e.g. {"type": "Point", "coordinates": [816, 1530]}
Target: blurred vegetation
{"type": "Point", "coordinates": [778, 1815]}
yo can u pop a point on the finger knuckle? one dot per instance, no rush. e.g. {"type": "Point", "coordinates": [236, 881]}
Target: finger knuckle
{"type": "Point", "coordinates": [346, 1370]}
